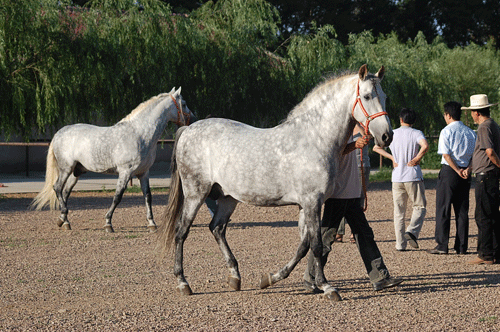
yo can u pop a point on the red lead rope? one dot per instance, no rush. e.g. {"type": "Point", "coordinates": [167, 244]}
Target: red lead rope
{"type": "Point", "coordinates": [366, 128]}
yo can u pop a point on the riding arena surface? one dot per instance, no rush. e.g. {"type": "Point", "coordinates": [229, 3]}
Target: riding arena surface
{"type": "Point", "coordinates": [87, 280]}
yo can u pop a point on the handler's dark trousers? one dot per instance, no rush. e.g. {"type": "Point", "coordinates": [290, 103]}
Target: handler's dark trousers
{"type": "Point", "coordinates": [487, 215]}
{"type": "Point", "coordinates": [452, 190]}
{"type": "Point", "coordinates": [351, 209]}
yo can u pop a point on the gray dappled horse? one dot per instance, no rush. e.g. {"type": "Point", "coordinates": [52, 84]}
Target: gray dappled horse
{"type": "Point", "coordinates": [127, 148]}
{"type": "Point", "coordinates": [292, 163]}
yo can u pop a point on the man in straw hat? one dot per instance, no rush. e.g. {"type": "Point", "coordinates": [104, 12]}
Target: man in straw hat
{"type": "Point", "coordinates": [486, 166]}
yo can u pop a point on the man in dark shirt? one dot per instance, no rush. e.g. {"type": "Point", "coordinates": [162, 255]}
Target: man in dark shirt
{"type": "Point", "coordinates": [486, 166]}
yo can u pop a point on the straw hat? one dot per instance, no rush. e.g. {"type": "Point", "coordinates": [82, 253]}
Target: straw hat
{"type": "Point", "coordinates": [478, 102]}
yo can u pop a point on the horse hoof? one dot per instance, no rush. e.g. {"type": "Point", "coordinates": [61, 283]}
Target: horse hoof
{"type": "Point", "coordinates": [109, 229]}
{"type": "Point", "coordinates": [234, 283]}
{"type": "Point", "coordinates": [332, 296]}
{"type": "Point", "coordinates": [66, 226]}
{"type": "Point", "coordinates": [60, 222]}
{"type": "Point", "coordinates": [266, 281]}
{"type": "Point", "coordinates": [184, 290]}
{"type": "Point", "coordinates": [152, 228]}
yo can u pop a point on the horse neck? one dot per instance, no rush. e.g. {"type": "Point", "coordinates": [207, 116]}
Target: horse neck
{"type": "Point", "coordinates": [150, 123]}
{"type": "Point", "coordinates": [330, 119]}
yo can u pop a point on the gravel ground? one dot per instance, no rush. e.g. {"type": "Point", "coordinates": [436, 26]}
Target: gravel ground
{"type": "Point", "coordinates": [88, 280]}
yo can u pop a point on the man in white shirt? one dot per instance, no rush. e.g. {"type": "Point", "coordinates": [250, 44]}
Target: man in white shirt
{"type": "Point", "coordinates": [456, 145]}
{"type": "Point", "coordinates": [408, 147]}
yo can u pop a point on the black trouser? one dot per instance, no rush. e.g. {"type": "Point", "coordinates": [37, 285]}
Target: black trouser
{"type": "Point", "coordinates": [335, 210]}
{"type": "Point", "coordinates": [487, 216]}
{"type": "Point", "coordinates": [452, 190]}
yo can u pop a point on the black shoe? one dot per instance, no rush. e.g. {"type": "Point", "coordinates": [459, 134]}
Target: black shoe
{"type": "Point", "coordinates": [386, 283]}
{"type": "Point", "coordinates": [309, 286]}
{"type": "Point", "coordinates": [412, 240]}
{"type": "Point", "coordinates": [436, 251]}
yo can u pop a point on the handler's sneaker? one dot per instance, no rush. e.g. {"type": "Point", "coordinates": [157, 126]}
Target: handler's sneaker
{"type": "Point", "coordinates": [437, 251]}
{"type": "Point", "coordinates": [479, 261]}
{"type": "Point", "coordinates": [412, 240]}
{"type": "Point", "coordinates": [386, 283]}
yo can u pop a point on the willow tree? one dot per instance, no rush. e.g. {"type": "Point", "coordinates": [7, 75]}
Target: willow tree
{"type": "Point", "coordinates": [63, 64]}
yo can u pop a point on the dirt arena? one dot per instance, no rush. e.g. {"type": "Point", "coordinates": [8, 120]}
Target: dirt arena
{"type": "Point", "coordinates": [88, 280]}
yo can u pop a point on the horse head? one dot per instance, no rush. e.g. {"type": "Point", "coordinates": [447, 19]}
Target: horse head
{"type": "Point", "coordinates": [369, 106]}
{"type": "Point", "coordinates": [184, 115]}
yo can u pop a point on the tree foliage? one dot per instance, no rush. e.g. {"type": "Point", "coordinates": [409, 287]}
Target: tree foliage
{"type": "Point", "coordinates": [62, 64]}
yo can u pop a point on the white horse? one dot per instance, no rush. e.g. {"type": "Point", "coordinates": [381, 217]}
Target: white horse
{"type": "Point", "coordinates": [293, 163]}
{"type": "Point", "coordinates": [127, 148]}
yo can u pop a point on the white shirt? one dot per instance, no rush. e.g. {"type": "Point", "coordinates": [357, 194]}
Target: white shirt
{"type": "Point", "coordinates": [347, 184]}
{"type": "Point", "coordinates": [405, 147]}
{"type": "Point", "coordinates": [457, 140]}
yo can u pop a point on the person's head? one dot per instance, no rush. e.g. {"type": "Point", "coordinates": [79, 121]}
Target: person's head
{"type": "Point", "coordinates": [408, 116]}
{"type": "Point", "coordinates": [479, 104]}
{"type": "Point", "coordinates": [453, 109]}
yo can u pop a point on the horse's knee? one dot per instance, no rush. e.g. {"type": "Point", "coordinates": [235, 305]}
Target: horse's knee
{"type": "Point", "coordinates": [317, 251]}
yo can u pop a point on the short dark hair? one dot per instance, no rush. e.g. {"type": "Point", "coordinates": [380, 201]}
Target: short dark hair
{"type": "Point", "coordinates": [483, 111]}
{"type": "Point", "coordinates": [453, 109]}
{"type": "Point", "coordinates": [408, 115]}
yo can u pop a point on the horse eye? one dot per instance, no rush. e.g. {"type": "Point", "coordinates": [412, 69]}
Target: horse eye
{"type": "Point", "coordinates": [367, 97]}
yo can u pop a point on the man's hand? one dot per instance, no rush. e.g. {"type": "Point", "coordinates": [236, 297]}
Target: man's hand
{"type": "Point", "coordinates": [465, 173]}
{"type": "Point", "coordinates": [414, 162]}
{"type": "Point", "coordinates": [363, 141]}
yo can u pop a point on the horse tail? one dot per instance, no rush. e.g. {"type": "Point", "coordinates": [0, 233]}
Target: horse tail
{"type": "Point", "coordinates": [48, 196]}
{"type": "Point", "coordinates": [166, 230]}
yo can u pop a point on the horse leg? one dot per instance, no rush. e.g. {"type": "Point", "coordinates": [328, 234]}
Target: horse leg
{"type": "Point", "coordinates": [225, 207]}
{"type": "Point", "coordinates": [189, 211]}
{"type": "Point", "coordinates": [310, 233]}
{"type": "Point", "coordinates": [316, 243]}
{"type": "Point", "coordinates": [120, 189]}
{"type": "Point", "coordinates": [58, 188]}
{"type": "Point", "coordinates": [68, 187]}
{"type": "Point", "coordinates": [146, 191]}
{"type": "Point", "coordinates": [270, 279]}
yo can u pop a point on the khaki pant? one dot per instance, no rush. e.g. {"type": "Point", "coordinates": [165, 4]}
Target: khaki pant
{"type": "Point", "coordinates": [401, 192]}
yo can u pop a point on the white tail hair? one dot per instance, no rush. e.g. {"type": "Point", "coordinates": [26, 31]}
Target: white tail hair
{"type": "Point", "coordinates": [48, 196]}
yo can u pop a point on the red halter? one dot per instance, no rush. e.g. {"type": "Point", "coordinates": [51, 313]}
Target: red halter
{"type": "Point", "coordinates": [179, 111]}
{"type": "Point", "coordinates": [368, 117]}
{"type": "Point", "coordinates": [365, 127]}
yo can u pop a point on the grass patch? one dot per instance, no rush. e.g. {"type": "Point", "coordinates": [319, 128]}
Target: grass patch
{"type": "Point", "coordinates": [384, 174]}
{"type": "Point", "coordinates": [13, 243]}
{"type": "Point", "coordinates": [109, 238]}
{"type": "Point", "coordinates": [491, 319]}
{"type": "Point", "coordinates": [134, 236]}
{"type": "Point", "coordinates": [131, 189]}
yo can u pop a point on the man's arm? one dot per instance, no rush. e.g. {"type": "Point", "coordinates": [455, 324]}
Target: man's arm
{"type": "Point", "coordinates": [493, 157]}
{"type": "Point", "coordinates": [424, 147]}
{"type": "Point", "coordinates": [464, 174]}
{"type": "Point", "coordinates": [358, 144]}
{"type": "Point", "coordinates": [386, 154]}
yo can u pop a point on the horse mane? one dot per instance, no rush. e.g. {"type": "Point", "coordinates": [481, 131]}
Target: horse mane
{"type": "Point", "coordinates": [326, 81]}
{"type": "Point", "coordinates": [148, 104]}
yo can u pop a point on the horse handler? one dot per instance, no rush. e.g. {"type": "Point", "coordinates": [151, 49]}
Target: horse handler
{"type": "Point", "coordinates": [346, 202]}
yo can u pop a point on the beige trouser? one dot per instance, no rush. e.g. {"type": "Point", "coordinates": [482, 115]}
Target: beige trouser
{"type": "Point", "coordinates": [401, 192]}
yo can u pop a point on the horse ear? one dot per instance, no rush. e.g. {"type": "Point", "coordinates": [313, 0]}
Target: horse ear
{"type": "Point", "coordinates": [381, 73]}
{"type": "Point", "coordinates": [178, 90]}
{"type": "Point", "coordinates": [363, 71]}
{"type": "Point", "coordinates": [173, 90]}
